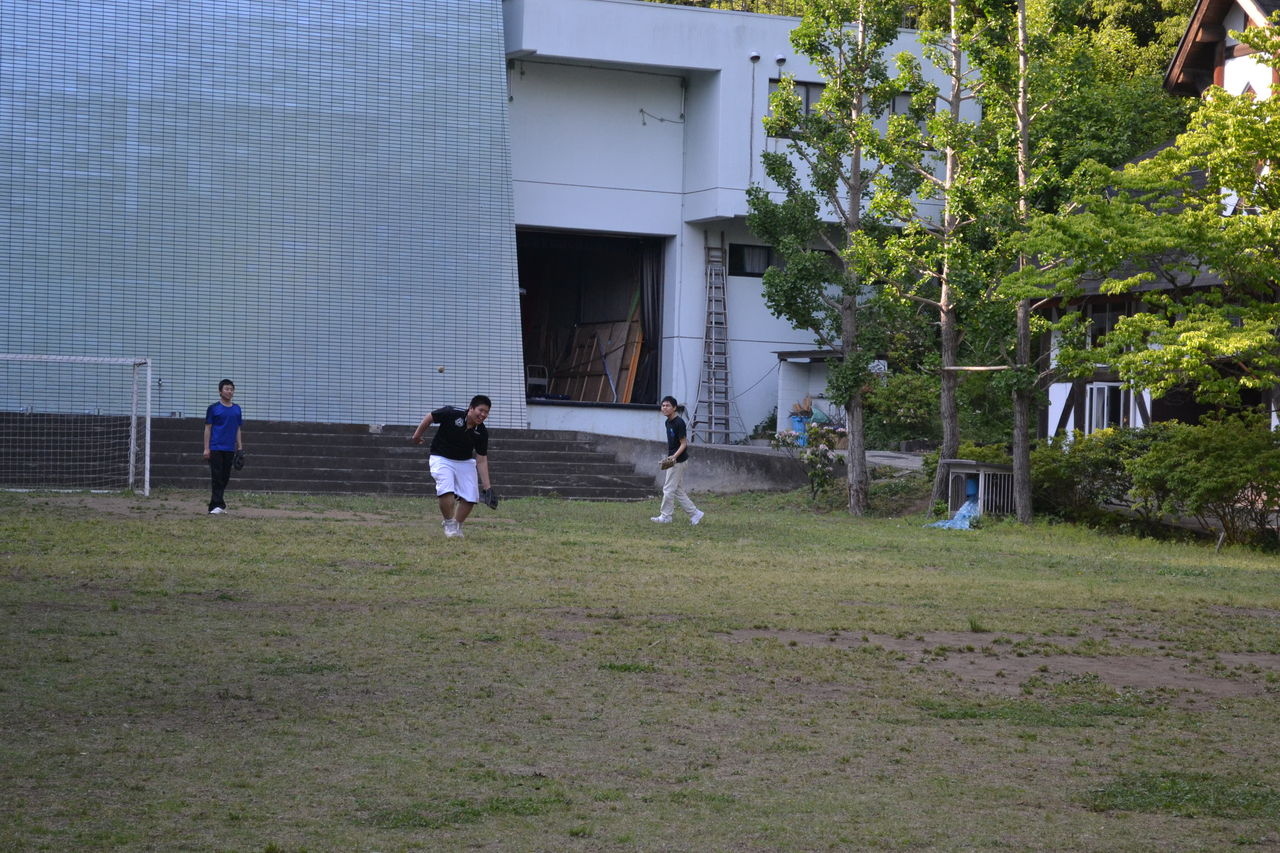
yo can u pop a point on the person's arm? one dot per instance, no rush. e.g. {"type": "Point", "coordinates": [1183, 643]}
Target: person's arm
{"type": "Point", "coordinates": [684, 442]}
{"type": "Point", "coordinates": [482, 468]}
{"type": "Point", "coordinates": [422, 427]}
{"type": "Point", "coordinates": [207, 429]}
{"type": "Point", "coordinates": [240, 439]}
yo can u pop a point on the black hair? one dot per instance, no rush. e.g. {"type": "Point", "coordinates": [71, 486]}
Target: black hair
{"type": "Point", "coordinates": [480, 400]}
{"type": "Point", "coordinates": [671, 400]}
{"type": "Point", "coordinates": [224, 383]}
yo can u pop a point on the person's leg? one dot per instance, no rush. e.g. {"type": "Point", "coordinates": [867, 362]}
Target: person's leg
{"type": "Point", "coordinates": [678, 492]}
{"type": "Point", "coordinates": [215, 482]}
{"type": "Point", "coordinates": [668, 495]}
{"type": "Point", "coordinates": [468, 483]}
{"type": "Point", "coordinates": [443, 473]}
{"type": "Point", "coordinates": [219, 475]}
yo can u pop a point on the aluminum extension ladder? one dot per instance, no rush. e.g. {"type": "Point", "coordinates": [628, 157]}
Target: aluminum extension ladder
{"type": "Point", "coordinates": [713, 391]}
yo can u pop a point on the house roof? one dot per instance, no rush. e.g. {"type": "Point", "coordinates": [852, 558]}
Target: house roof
{"type": "Point", "coordinates": [1190, 71]}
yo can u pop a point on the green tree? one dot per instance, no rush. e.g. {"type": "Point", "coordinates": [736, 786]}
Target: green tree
{"type": "Point", "coordinates": [948, 253]}
{"type": "Point", "coordinates": [1201, 258]}
{"type": "Point", "coordinates": [1060, 82]}
{"type": "Point", "coordinates": [827, 174]}
{"type": "Point", "coordinates": [1225, 472]}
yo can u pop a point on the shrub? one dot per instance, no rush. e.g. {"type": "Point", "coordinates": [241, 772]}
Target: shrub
{"type": "Point", "coordinates": [902, 407]}
{"type": "Point", "coordinates": [1076, 478]}
{"type": "Point", "coordinates": [1224, 472]}
{"type": "Point", "coordinates": [898, 495]}
{"type": "Point", "coordinates": [817, 455]}
{"type": "Point", "coordinates": [995, 454]}
{"type": "Point", "coordinates": [767, 426]}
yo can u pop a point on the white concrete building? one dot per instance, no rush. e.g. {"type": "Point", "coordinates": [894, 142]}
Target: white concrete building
{"type": "Point", "coordinates": [379, 212]}
{"type": "Point", "coordinates": [635, 132]}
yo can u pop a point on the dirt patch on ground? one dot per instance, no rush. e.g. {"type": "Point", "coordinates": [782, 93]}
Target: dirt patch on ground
{"type": "Point", "coordinates": [1004, 665]}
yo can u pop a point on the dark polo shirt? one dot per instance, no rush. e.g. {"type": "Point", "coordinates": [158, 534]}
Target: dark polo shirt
{"type": "Point", "coordinates": [453, 440]}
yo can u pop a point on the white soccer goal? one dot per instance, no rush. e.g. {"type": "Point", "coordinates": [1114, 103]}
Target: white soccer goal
{"type": "Point", "coordinates": [75, 423]}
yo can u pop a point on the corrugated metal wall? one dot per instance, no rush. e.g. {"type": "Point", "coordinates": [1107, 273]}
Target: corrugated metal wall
{"type": "Point", "coordinates": [311, 197]}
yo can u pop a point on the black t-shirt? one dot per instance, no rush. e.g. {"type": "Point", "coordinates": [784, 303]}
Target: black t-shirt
{"type": "Point", "coordinates": [453, 440]}
{"type": "Point", "coordinates": [675, 432]}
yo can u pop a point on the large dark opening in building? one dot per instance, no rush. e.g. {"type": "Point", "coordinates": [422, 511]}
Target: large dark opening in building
{"type": "Point", "coordinates": [590, 313]}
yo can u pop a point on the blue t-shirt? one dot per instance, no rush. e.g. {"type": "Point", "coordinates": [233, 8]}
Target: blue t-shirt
{"type": "Point", "coordinates": [225, 422]}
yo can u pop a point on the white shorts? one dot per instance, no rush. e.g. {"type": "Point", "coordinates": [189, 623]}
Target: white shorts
{"type": "Point", "coordinates": [456, 477]}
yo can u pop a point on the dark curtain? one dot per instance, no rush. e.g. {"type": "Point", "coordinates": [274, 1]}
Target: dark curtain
{"type": "Point", "coordinates": [646, 387]}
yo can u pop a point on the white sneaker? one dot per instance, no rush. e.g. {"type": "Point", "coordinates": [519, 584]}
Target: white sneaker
{"type": "Point", "coordinates": [696, 517]}
{"type": "Point", "coordinates": [661, 519]}
{"type": "Point", "coordinates": [452, 529]}
{"type": "Point", "coordinates": [217, 510]}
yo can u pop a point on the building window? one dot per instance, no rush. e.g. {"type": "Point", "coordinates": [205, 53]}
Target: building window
{"type": "Point", "coordinates": [1102, 320]}
{"type": "Point", "coordinates": [750, 260]}
{"type": "Point", "coordinates": [809, 94]}
{"type": "Point", "coordinates": [1105, 408]}
{"type": "Point", "coordinates": [901, 106]}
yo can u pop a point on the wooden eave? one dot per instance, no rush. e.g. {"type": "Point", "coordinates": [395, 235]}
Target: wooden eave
{"type": "Point", "coordinates": [1190, 71]}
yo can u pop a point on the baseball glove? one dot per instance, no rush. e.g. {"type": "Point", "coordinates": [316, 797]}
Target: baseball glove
{"type": "Point", "coordinates": [488, 498]}
{"type": "Point", "coordinates": [666, 463]}
{"type": "Point", "coordinates": [237, 461]}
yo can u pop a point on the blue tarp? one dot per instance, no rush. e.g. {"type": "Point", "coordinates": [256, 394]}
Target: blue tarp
{"type": "Point", "coordinates": [960, 521]}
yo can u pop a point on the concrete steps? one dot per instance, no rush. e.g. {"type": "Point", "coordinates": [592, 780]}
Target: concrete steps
{"type": "Point", "coordinates": [358, 459]}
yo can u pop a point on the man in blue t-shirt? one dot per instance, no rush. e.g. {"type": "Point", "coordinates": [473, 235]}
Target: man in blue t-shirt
{"type": "Point", "coordinates": [222, 422]}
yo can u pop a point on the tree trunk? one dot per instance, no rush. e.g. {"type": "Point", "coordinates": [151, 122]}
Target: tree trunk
{"type": "Point", "coordinates": [948, 330]}
{"type": "Point", "coordinates": [1021, 444]}
{"type": "Point", "coordinates": [1022, 421]}
{"type": "Point", "coordinates": [859, 478]}
{"type": "Point", "coordinates": [948, 410]}
{"type": "Point", "coordinates": [856, 460]}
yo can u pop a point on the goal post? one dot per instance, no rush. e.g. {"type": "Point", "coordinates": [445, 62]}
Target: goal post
{"type": "Point", "coordinates": [75, 422]}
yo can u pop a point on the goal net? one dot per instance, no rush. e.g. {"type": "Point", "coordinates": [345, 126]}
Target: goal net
{"type": "Point", "coordinates": [75, 422]}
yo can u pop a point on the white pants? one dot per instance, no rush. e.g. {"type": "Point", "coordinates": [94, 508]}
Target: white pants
{"type": "Point", "coordinates": [673, 490]}
{"type": "Point", "coordinates": [457, 477]}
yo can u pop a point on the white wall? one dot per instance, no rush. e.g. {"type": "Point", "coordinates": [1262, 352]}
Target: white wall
{"type": "Point", "coordinates": [1247, 71]}
{"type": "Point", "coordinates": [290, 195]}
{"type": "Point", "coordinates": [640, 118]}
{"type": "Point", "coordinates": [645, 424]}
{"type": "Point", "coordinates": [800, 379]}
{"type": "Point", "coordinates": [1243, 71]}
{"type": "Point", "coordinates": [583, 154]}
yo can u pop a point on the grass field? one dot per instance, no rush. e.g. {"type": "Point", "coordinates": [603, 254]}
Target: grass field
{"type": "Point", "coordinates": [332, 674]}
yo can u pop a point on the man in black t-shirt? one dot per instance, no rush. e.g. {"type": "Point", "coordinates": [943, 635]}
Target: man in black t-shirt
{"type": "Point", "coordinates": [678, 454]}
{"type": "Point", "coordinates": [459, 452]}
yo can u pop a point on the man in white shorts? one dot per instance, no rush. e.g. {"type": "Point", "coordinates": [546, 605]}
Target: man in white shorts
{"type": "Point", "coordinates": [459, 452]}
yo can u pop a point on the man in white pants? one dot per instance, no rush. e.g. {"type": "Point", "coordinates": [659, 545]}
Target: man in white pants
{"type": "Point", "coordinates": [677, 453]}
{"type": "Point", "coordinates": [459, 452]}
